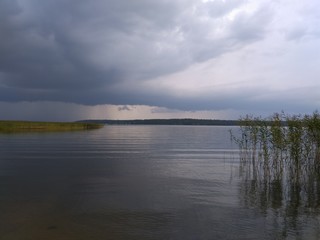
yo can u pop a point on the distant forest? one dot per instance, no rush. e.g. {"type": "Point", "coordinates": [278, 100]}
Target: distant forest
{"type": "Point", "coordinates": [186, 121]}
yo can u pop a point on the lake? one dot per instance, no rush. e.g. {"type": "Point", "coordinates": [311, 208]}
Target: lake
{"type": "Point", "coordinates": [141, 182]}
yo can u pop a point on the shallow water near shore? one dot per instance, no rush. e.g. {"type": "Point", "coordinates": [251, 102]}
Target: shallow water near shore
{"type": "Point", "coordinates": [140, 182]}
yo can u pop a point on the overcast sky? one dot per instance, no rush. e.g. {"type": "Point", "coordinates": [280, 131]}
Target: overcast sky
{"type": "Point", "coordinates": [75, 59]}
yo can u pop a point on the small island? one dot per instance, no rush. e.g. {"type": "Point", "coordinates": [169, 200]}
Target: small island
{"type": "Point", "coordinates": [31, 126]}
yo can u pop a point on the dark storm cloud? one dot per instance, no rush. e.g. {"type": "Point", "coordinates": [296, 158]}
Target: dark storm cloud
{"type": "Point", "coordinates": [91, 52]}
{"type": "Point", "coordinates": [38, 52]}
{"type": "Point", "coordinates": [124, 108]}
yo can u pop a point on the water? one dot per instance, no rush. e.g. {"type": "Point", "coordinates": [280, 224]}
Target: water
{"type": "Point", "coordinates": [139, 182]}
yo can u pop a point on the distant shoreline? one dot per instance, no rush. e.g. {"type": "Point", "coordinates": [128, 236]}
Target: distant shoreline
{"type": "Point", "coordinates": [33, 126]}
{"type": "Point", "coordinates": [185, 121]}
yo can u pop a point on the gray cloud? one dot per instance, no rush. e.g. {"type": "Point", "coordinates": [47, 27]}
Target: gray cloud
{"type": "Point", "coordinates": [251, 27]}
{"type": "Point", "coordinates": [219, 8]}
{"type": "Point", "coordinates": [296, 34]}
{"type": "Point", "coordinates": [124, 108]}
{"type": "Point", "coordinates": [92, 52]}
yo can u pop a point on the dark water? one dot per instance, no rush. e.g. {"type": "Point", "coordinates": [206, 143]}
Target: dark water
{"type": "Point", "coordinates": [139, 182]}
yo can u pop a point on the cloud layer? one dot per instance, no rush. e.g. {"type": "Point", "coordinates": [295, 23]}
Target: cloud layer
{"type": "Point", "coordinates": [183, 54]}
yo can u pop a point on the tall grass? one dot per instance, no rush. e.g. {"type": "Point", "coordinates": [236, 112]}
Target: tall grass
{"type": "Point", "coordinates": [282, 152]}
{"type": "Point", "coordinates": [280, 169]}
{"type": "Point", "coordinates": [280, 142]}
{"type": "Point", "coordinates": [27, 126]}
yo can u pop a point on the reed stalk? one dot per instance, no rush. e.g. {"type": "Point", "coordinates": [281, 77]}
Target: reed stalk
{"type": "Point", "coordinates": [282, 149]}
{"type": "Point", "coordinates": [280, 167]}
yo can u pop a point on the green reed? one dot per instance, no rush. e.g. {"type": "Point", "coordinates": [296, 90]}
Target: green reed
{"type": "Point", "coordinates": [29, 126]}
{"type": "Point", "coordinates": [280, 166]}
{"type": "Point", "coordinates": [280, 144]}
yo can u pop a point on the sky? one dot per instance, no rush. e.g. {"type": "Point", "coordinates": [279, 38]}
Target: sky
{"type": "Point", "coordinates": [66, 60]}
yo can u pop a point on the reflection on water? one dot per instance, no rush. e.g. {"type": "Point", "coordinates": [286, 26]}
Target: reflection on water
{"type": "Point", "coordinates": [143, 182]}
{"type": "Point", "coordinates": [292, 204]}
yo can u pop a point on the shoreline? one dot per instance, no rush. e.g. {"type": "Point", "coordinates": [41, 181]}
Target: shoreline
{"type": "Point", "coordinates": [11, 126]}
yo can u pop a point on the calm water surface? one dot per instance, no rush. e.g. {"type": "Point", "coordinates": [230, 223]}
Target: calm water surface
{"type": "Point", "coordinates": [139, 182]}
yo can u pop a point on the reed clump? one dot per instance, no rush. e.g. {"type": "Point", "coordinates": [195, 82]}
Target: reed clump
{"type": "Point", "coordinates": [30, 126]}
{"type": "Point", "coordinates": [280, 167]}
{"type": "Point", "coordinates": [281, 148]}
